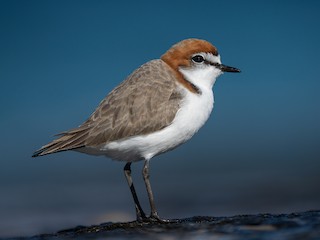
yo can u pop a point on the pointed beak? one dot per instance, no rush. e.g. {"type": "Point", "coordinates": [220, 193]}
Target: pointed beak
{"type": "Point", "coordinates": [225, 68]}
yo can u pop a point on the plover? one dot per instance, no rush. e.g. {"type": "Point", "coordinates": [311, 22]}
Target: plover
{"type": "Point", "coordinates": [161, 105]}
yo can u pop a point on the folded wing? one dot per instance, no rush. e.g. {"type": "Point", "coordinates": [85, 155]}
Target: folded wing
{"type": "Point", "coordinates": [147, 101]}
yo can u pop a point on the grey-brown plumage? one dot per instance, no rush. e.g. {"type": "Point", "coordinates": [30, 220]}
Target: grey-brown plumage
{"type": "Point", "coordinates": [145, 102]}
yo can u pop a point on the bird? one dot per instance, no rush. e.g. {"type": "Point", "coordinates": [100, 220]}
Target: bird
{"type": "Point", "coordinates": [158, 107]}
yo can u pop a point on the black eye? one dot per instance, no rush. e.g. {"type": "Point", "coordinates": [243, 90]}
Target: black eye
{"type": "Point", "coordinates": [197, 58]}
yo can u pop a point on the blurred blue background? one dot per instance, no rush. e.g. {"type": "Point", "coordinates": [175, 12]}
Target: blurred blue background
{"type": "Point", "coordinates": [258, 152]}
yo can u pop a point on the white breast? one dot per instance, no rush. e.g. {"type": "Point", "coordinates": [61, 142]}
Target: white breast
{"type": "Point", "coordinates": [193, 113]}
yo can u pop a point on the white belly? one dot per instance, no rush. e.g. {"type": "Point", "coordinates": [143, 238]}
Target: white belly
{"type": "Point", "coordinates": [193, 113]}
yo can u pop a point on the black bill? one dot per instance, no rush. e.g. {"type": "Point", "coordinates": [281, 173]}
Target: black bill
{"type": "Point", "coordinates": [225, 68]}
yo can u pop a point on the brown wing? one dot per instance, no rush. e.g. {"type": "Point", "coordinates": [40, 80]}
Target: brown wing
{"type": "Point", "coordinates": [145, 102]}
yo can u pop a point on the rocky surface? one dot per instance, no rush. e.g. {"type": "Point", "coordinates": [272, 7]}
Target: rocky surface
{"type": "Point", "coordinates": [293, 226]}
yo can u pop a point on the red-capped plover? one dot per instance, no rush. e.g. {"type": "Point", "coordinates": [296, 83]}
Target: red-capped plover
{"type": "Point", "coordinates": [161, 105]}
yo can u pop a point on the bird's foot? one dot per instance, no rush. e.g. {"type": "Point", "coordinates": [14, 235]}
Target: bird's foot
{"type": "Point", "coordinates": [154, 218]}
{"type": "Point", "coordinates": [141, 216]}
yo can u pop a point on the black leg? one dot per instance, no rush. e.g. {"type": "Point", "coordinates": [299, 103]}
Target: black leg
{"type": "Point", "coordinates": [145, 172]}
{"type": "Point", "coordinates": [127, 172]}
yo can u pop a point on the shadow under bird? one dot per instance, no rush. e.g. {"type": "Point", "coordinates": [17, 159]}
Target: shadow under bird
{"type": "Point", "coordinates": [161, 105]}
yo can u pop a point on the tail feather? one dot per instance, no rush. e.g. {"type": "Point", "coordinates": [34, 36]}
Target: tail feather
{"type": "Point", "coordinates": [70, 140]}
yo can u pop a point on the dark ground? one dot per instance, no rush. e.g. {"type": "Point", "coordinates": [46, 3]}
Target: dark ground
{"type": "Point", "coordinates": [293, 226]}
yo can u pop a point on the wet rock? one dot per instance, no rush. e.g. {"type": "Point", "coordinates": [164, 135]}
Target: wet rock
{"type": "Point", "coordinates": [293, 226]}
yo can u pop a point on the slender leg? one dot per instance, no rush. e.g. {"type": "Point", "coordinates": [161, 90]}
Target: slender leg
{"type": "Point", "coordinates": [127, 172]}
{"type": "Point", "coordinates": [146, 176]}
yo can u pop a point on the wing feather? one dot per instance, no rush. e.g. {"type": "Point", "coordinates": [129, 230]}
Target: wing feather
{"type": "Point", "coordinates": [145, 102]}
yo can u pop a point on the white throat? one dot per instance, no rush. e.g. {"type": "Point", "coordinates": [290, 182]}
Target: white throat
{"type": "Point", "coordinates": [203, 77]}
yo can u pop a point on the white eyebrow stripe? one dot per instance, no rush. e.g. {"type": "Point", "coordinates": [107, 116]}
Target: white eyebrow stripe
{"type": "Point", "coordinates": [211, 58]}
